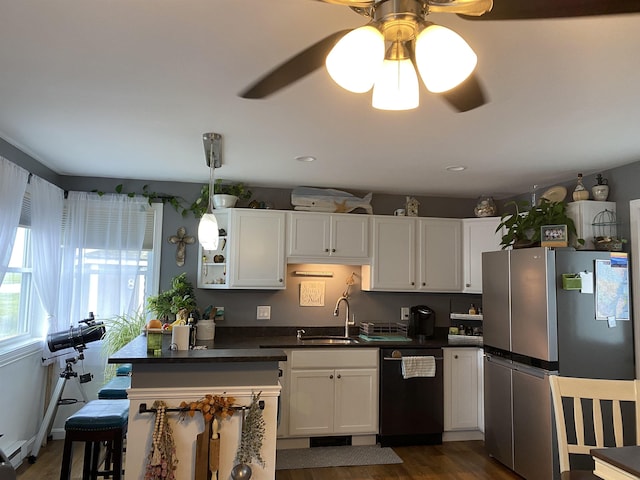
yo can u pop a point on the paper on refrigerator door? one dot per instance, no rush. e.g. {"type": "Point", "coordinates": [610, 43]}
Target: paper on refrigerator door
{"type": "Point", "coordinates": [587, 282]}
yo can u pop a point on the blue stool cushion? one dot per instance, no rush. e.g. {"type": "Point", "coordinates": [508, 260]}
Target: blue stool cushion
{"type": "Point", "coordinates": [124, 370]}
{"type": "Point", "coordinates": [114, 389]}
{"type": "Point", "coordinates": [100, 415]}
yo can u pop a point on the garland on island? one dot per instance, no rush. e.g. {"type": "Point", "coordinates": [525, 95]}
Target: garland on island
{"type": "Point", "coordinates": [252, 436]}
{"type": "Point", "coordinates": [162, 460]}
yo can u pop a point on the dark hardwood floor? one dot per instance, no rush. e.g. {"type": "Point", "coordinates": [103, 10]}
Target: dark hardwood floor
{"type": "Point", "coordinates": [449, 461]}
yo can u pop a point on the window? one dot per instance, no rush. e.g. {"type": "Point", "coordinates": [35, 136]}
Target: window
{"type": "Point", "coordinates": [16, 291]}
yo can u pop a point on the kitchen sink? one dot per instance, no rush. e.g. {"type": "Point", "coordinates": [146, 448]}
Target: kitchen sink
{"type": "Point", "coordinates": [328, 340]}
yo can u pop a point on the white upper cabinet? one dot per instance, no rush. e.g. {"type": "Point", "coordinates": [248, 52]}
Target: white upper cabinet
{"type": "Point", "coordinates": [439, 254]}
{"type": "Point", "coordinates": [252, 255]}
{"type": "Point", "coordinates": [411, 254]}
{"type": "Point", "coordinates": [478, 235]}
{"type": "Point", "coordinates": [393, 257]}
{"type": "Point", "coordinates": [328, 238]}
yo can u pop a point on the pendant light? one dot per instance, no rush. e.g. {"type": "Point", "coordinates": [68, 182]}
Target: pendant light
{"type": "Point", "coordinates": [208, 234]}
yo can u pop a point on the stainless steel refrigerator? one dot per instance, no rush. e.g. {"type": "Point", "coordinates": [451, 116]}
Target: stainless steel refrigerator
{"type": "Point", "coordinates": [534, 327]}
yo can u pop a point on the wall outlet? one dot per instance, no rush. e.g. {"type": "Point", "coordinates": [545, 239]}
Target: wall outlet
{"type": "Point", "coordinates": [264, 312]}
{"type": "Point", "coordinates": [404, 313]}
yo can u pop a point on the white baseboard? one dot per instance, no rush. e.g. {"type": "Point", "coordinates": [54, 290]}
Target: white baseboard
{"type": "Point", "coordinates": [462, 435]}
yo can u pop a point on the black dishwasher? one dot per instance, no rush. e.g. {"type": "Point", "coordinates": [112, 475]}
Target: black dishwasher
{"type": "Point", "coordinates": [411, 409]}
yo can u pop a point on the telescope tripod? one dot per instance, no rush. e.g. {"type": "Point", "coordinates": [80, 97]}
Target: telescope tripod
{"type": "Point", "coordinates": [56, 400]}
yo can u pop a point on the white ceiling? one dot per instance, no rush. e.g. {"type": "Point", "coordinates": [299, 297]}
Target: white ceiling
{"type": "Point", "coordinates": [126, 88]}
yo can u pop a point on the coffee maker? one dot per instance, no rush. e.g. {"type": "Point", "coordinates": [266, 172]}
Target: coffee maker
{"type": "Point", "coordinates": [421, 323]}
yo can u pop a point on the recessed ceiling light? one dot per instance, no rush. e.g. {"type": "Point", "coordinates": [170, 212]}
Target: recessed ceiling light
{"type": "Point", "coordinates": [456, 168]}
{"type": "Point", "coordinates": [306, 158]}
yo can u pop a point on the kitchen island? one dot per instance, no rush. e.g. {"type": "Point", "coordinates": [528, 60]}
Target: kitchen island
{"type": "Point", "coordinates": [177, 376]}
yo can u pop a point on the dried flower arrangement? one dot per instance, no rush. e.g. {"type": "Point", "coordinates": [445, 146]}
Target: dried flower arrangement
{"type": "Point", "coordinates": [162, 460]}
{"type": "Point", "coordinates": [252, 436]}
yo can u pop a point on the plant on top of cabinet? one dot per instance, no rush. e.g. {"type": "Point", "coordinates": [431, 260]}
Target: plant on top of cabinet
{"type": "Point", "coordinates": [178, 299]}
{"type": "Point", "coordinates": [523, 226]}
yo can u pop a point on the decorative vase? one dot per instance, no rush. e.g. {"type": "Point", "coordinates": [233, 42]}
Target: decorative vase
{"type": "Point", "coordinates": [221, 200]}
{"type": "Point", "coordinates": [485, 207]}
{"type": "Point", "coordinates": [600, 192]}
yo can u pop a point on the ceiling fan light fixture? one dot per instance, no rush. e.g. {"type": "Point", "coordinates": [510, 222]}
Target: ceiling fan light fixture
{"type": "Point", "coordinates": [354, 62]}
{"type": "Point", "coordinates": [396, 87]}
{"type": "Point", "coordinates": [444, 58]}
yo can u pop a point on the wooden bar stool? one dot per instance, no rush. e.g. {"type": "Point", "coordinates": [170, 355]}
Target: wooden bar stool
{"type": "Point", "coordinates": [98, 421]}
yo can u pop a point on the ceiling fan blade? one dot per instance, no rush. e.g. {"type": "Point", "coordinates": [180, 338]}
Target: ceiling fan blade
{"type": "Point", "coordinates": [466, 7]}
{"type": "Point", "coordinates": [293, 69]}
{"type": "Point", "coordinates": [536, 9]}
{"type": "Point", "coordinates": [466, 96]}
{"type": "Point", "coordinates": [351, 3]}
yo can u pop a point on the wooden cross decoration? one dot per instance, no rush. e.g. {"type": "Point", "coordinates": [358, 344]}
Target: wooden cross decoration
{"type": "Point", "coordinates": [181, 239]}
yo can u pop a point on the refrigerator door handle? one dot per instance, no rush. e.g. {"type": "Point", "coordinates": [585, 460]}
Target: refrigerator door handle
{"type": "Point", "coordinates": [498, 360]}
{"type": "Point", "coordinates": [534, 371]}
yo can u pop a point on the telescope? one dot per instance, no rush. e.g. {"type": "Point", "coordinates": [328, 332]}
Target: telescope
{"type": "Point", "coordinates": [77, 337]}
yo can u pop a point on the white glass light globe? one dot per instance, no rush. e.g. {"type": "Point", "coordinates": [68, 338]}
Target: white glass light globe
{"type": "Point", "coordinates": [354, 61]}
{"type": "Point", "coordinates": [396, 87]}
{"type": "Point", "coordinates": [444, 58]}
{"type": "Point", "coordinates": [208, 232]}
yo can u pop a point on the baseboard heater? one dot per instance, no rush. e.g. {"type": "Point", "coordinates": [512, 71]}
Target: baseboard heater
{"type": "Point", "coordinates": [335, 441]}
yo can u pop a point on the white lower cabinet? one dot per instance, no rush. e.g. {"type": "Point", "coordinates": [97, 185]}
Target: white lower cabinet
{"type": "Point", "coordinates": [463, 389]}
{"type": "Point", "coordinates": [333, 392]}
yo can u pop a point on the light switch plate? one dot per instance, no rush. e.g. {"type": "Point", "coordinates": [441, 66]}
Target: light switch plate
{"type": "Point", "coordinates": [404, 313]}
{"type": "Point", "coordinates": [264, 312]}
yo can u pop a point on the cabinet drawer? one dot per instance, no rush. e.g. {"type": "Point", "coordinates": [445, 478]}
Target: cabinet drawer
{"type": "Point", "coordinates": [334, 358]}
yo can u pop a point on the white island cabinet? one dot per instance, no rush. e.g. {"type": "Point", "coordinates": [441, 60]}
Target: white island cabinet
{"type": "Point", "coordinates": [250, 255]}
{"type": "Point", "coordinates": [177, 376]}
{"type": "Point", "coordinates": [333, 392]}
{"type": "Point", "coordinates": [463, 393]}
{"type": "Point", "coordinates": [328, 238]}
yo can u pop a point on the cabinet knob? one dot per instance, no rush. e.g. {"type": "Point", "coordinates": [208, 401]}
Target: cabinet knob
{"type": "Point", "coordinates": [280, 280]}
{"type": "Point", "coordinates": [331, 377]}
{"type": "Point", "coordinates": [413, 283]}
{"type": "Point", "coordinates": [455, 356]}
{"type": "Point", "coordinates": [424, 284]}
{"type": "Point", "coordinates": [333, 250]}
{"type": "Point", "coordinates": [326, 250]}
{"type": "Point", "coordinates": [339, 376]}
{"type": "Point", "coordinates": [467, 284]}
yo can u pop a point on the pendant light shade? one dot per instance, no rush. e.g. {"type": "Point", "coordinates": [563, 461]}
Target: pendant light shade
{"type": "Point", "coordinates": [444, 58]}
{"type": "Point", "coordinates": [354, 61]}
{"type": "Point", "coordinates": [208, 232]}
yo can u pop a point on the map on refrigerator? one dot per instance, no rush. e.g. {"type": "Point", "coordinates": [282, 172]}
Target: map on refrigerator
{"type": "Point", "coordinates": [612, 288]}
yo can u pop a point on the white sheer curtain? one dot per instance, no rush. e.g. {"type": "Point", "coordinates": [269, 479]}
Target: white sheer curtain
{"type": "Point", "coordinates": [102, 238]}
{"type": "Point", "coordinates": [47, 204]}
{"type": "Point", "coordinates": [13, 183]}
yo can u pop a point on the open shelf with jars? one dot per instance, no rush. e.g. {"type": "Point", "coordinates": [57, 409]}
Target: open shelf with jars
{"type": "Point", "coordinates": [213, 264]}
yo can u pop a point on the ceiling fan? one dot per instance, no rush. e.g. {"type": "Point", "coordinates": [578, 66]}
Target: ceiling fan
{"type": "Point", "coordinates": [410, 42]}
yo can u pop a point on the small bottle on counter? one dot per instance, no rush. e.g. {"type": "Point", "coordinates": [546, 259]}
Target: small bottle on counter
{"type": "Point", "coordinates": [472, 310]}
{"type": "Point", "coordinates": [192, 330]}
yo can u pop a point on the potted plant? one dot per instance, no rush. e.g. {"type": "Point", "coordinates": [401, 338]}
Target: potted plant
{"type": "Point", "coordinates": [225, 195]}
{"type": "Point", "coordinates": [179, 298]}
{"type": "Point", "coordinates": [119, 331]}
{"type": "Point", "coordinates": [523, 225]}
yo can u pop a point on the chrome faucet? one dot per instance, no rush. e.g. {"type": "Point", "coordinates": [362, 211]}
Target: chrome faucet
{"type": "Point", "coordinates": [336, 312]}
{"type": "Point", "coordinates": [299, 334]}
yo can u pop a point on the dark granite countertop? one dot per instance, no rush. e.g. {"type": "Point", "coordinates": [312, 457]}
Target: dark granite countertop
{"type": "Point", "coordinates": [259, 344]}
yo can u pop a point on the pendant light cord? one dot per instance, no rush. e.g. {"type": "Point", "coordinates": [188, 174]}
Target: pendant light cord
{"type": "Point", "coordinates": [212, 167]}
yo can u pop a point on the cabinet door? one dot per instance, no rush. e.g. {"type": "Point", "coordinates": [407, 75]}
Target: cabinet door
{"type": "Point", "coordinates": [393, 259]}
{"type": "Point", "coordinates": [349, 236]}
{"type": "Point", "coordinates": [439, 254]}
{"type": "Point", "coordinates": [479, 235]}
{"type": "Point", "coordinates": [311, 402]}
{"type": "Point", "coordinates": [258, 249]}
{"type": "Point", "coordinates": [309, 234]}
{"type": "Point", "coordinates": [283, 399]}
{"type": "Point", "coordinates": [356, 401]}
{"type": "Point", "coordinates": [461, 389]}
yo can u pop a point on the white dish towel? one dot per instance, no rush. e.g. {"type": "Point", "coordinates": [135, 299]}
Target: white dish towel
{"type": "Point", "coordinates": [422, 366]}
